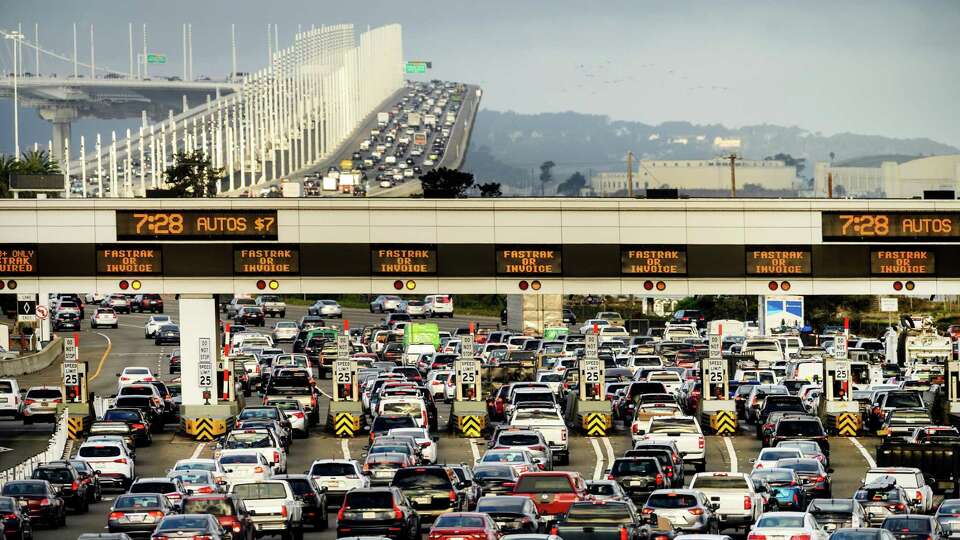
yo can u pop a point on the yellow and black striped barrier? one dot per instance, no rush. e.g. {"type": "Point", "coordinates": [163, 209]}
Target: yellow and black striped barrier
{"type": "Point", "coordinates": [346, 424]}
{"type": "Point", "coordinates": [724, 422]}
{"type": "Point", "coordinates": [204, 429]}
{"type": "Point", "coordinates": [471, 425]}
{"type": "Point", "coordinates": [596, 424]}
{"type": "Point", "coordinates": [75, 427]}
{"type": "Point", "coordinates": [848, 424]}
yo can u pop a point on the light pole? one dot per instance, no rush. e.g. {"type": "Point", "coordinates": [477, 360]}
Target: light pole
{"type": "Point", "coordinates": [17, 36]}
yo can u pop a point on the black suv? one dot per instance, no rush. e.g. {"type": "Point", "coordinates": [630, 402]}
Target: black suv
{"type": "Point", "coordinates": [66, 480]}
{"type": "Point", "coordinates": [638, 476]}
{"type": "Point", "coordinates": [802, 429]}
{"type": "Point", "coordinates": [431, 489]}
{"type": "Point", "coordinates": [378, 512]}
{"type": "Point", "coordinates": [311, 497]}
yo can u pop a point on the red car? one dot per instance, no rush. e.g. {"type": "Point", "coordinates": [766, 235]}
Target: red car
{"type": "Point", "coordinates": [464, 526]}
{"type": "Point", "coordinates": [553, 492]}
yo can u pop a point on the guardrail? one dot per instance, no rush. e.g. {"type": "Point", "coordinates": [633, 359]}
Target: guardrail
{"type": "Point", "coordinates": [54, 451]}
{"type": "Point", "coordinates": [32, 363]}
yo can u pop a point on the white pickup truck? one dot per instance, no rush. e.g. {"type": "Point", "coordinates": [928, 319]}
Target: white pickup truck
{"type": "Point", "coordinates": [550, 424]}
{"type": "Point", "coordinates": [765, 351]}
{"type": "Point", "coordinates": [273, 508]}
{"type": "Point", "coordinates": [736, 501]}
{"type": "Point", "coordinates": [684, 431]}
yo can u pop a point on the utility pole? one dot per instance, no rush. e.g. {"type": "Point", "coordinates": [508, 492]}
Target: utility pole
{"type": "Point", "coordinates": [733, 173]}
{"type": "Point", "coordinates": [829, 185]}
{"type": "Point", "coordinates": [190, 51]}
{"type": "Point", "coordinates": [630, 174]}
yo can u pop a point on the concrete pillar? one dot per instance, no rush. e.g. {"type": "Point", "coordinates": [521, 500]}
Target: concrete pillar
{"type": "Point", "coordinates": [534, 311]}
{"type": "Point", "coordinates": [61, 118]}
{"type": "Point", "coordinates": [198, 320]}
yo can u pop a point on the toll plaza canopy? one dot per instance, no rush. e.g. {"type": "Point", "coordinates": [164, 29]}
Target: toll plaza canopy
{"type": "Point", "coordinates": [565, 246]}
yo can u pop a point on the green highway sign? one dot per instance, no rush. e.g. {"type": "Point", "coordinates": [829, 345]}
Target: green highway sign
{"type": "Point", "coordinates": [156, 58]}
{"type": "Point", "coordinates": [417, 67]}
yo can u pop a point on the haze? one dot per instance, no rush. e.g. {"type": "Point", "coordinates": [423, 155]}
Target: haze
{"type": "Point", "coordinates": [873, 67]}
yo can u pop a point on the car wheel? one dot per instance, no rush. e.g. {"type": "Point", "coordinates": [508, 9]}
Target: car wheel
{"type": "Point", "coordinates": [116, 326]}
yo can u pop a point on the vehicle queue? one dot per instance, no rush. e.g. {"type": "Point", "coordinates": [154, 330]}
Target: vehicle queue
{"type": "Point", "coordinates": [519, 487]}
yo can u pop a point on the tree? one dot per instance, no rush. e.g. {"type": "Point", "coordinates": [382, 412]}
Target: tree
{"type": "Point", "coordinates": [444, 183]}
{"type": "Point", "coordinates": [797, 163]}
{"type": "Point", "coordinates": [31, 162]}
{"type": "Point", "coordinates": [546, 175]}
{"type": "Point", "coordinates": [571, 186]}
{"type": "Point", "coordinates": [491, 189]}
{"type": "Point", "coordinates": [192, 175]}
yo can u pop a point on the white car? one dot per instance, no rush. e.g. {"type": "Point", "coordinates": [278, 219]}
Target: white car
{"type": "Point", "coordinates": [10, 403]}
{"type": "Point", "coordinates": [201, 464]}
{"type": "Point", "coordinates": [437, 382]}
{"type": "Point", "coordinates": [339, 476]}
{"type": "Point", "coordinates": [117, 302]}
{"type": "Point", "coordinates": [520, 460]}
{"type": "Point", "coordinates": [104, 317]}
{"type": "Point", "coordinates": [682, 430]}
{"type": "Point", "coordinates": [787, 525]}
{"type": "Point", "coordinates": [294, 412]}
{"type": "Point", "coordinates": [285, 331]}
{"type": "Point", "coordinates": [428, 444]}
{"type": "Point", "coordinates": [769, 456]}
{"type": "Point", "coordinates": [587, 327]}
{"type": "Point", "coordinates": [326, 308]}
{"type": "Point", "coordinates": [413, 308]}
{"type": "Point", "coordinates": [111, 459]}
{"type": "Point", "coordinates": [911, 480]}
{"type": "Point", "coordinates": [404, 406]}
{"type": "Point", "coordinates": [610, 333]}
{"type": "Point", "coordinates": [153, 324]}
{"type": "Point", "coordinates": [244, 466]}
{"type": "Point", "coordinates": [260, 440]}
{"type": "Point", "coordinates": [135, 374]}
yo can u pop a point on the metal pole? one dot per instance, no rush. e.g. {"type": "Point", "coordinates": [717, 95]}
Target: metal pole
{"type": "Point", "coordinates": [36, 48]}
{"type": "Point", "coordinates": [145, 74]}
{"type": "Point", "coordinates": [183, 38]}
{"type": "Point", "coordinates": [130, 41]}
{"type": "Point", "coordinates": [83, 165]}
{"type": "Point", "coordinates": [16, 107]}
{"type": "Point", "coordinates": [233, 50]}
{"type": "Point", "coordinates": [630, 174]}
{"type": "Point", "coordinates": [269, 44]}
{"type": "Point", "coordinates": [100, 192]}
{"type": "Point", "coordinates": [93, 56]}
{"type": "Point", "coordinates": [190, 51]}
{"type": "Point", "coordinates": [75, 67]}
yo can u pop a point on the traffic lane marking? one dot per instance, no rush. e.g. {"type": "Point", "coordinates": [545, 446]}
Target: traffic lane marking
{"type": "Point", "coordinates": [598, 468]}
{"type": "Point", "coordinates": [103, 358]}
{"type": "Point", "coordinates": [584, 457]}
{"type": "Point", "coordinates": [718, 459]}
{"type": "Point", "coordinates": [732, 453]}
{"type": "Point", "coordinates": [746, 447]}
{"type": "Point", "coordinates": [609, 449]}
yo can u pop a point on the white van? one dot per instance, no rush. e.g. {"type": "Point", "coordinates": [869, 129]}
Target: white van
{"type": "Point", "coordinates": [438, 305]}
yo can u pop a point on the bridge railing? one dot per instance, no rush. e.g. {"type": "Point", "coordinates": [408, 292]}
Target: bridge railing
{"type": "Point", "coordinates": [54, 451]}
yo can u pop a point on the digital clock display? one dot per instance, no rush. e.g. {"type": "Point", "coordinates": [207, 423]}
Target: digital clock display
{"type": "Point", "coordinates": [894, 226]}
{"type": "Point", "coordinates": [197, 225]}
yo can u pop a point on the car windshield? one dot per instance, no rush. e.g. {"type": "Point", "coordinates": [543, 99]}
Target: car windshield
{"type": "Point", "coordinates": [153, 487]}
{"type": "Point", "coordinates": [805, 447]}
{"type": "Point", "coordinates": [903, 399]}
{"type": "Point", "coordinates": [239, 459]}
{"type": "Point", "coordinates": [671, 500]}
{"type": "Point", "coordinates": [128, 502]}
{"type": "Point", "coordinates": [774, 455]}
{"type": "Point", "coordinates": [518, 439]}
{"type": "Point", "coordinates": [192, 521]}
{"type": "Point", "coordinates": [906, 524]}
{"type": "Point", "coordinates": [250, 492]}
{"type": "Point", "coordinates": [673, 425]}
{"type": "Point", "coordinates": [641, 466]}
{"type": "Point", "coordinates": [54, 476]}
{"type": "Point", "coordinates": [616, 513]}
{"type": "Point", "coordinates": [460, 521]}
{"type": "Point", "coordinates": [369, 499]}
{"type": "Point", "coordinates": [831, 506]}
{"type": "Point", "coordinates": [44, 393]}
{"type": "Point", "coordinates": [421, 478]}
{"type": "Point", "coordinates": [949, 507]}
{"type": "Point", "coordinates": [214, 507]}
{"type": "Point", "coordinates": [248, 440]}
{"type": "Point", "coordinates": [780, 520]}
{"type": "Point", "coordinates": [853, 534]}
{"type": "Point", "coordinates": [799, 428]}
{"type": "Point", "coordinates": [333, 469]}
{"type": "Point", "coordinates": [720, 482]}
{"type": "Point", "coordinates": [99, 451]}
{"type": "Point", "coordinates": [402, 408]}
{"type": "Point", "coordinates": [24, 488]}
{"type": "Point", "coordinates": [544, 484]}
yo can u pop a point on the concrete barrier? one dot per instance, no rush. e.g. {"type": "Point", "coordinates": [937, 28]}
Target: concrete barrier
{"type": "Point", "coordinates": [32, 363]}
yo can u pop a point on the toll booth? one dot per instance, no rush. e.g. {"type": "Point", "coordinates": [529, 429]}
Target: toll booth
{"type": "Point", "coordinates": [717, 409]}
{"type": "Point", "coordinates": [73, 385]}
{"type": "Point", "coordinates": [591, 410]}
{"type": "Point", "coordinates": [468, 417]}
{"type": "Point", "coordinates": [839, 412]}
{"type": "Point", "coordinates": [345, 417]}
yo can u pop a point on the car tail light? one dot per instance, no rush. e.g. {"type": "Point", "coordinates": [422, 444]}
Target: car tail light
{"type": "Point", "coordinates": [155, 514]}
{"type": "Point", "coordinates": [453, 496]}
{"type": "Point", "coordinates": [646, 510]}
{"type": "Point", "coordinates": [29, 401]}
{"type": "Point", "coordinates": [659, 480]}
{"type": "Point", "coordinates": [283, 510]}
{"type": "Point", "coordinates": [76, 485]}
{"type": "Point", "coordinates": [920, 495]}
{"type": "Point", "coordinates": [276, 456]}
{"type": "Point", "coordinates": [747, 502]}
{"type": "Point", "coordinates": [44, 502]}
{"type": "Point", "coordinates": [696, 511]}
{"type": "Point", "coordinates": [205, 489]}
{"type": "Point", "coordinates": [554, 531]}
{"type": "Point", "coordinates": [121, 460]}
{"type": "Point", "coordinates": [623, 533]}
{"type": "Point", "coordinates": [796, 499]}
{"type": "Point", "coordinates": [397, 513]}
{"type": "Point", "coordinates": [298, 414]}
{"type": "Point", "coordinates": [821, 478]}
{"type": "Point", "coordinates": [700, 442]}
{"type": "Point", "coordinates": [9, 516]}
{"type": "Point", "coordinates": [340, 513]}
{"type": "Point", "coordinates": [236, 527]}
{"type": "Point", "coordinates": [756, 536]}
{"type": "Point", "coordinates": [800, 537]}
{"type": "Point", "coordinates": [138, 426]}
{"type": "Point", "coordinates": [116, 515]}
{"type": "Point", "coordinates": [202, 537]}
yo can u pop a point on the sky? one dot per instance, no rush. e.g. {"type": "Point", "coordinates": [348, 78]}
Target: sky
{"type": "Point", "coordinates": [876, 67]}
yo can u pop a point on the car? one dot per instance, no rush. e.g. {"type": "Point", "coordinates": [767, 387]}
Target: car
{"type": "Point", "coordinates": [66, 482]}
{"type": "Point", "coordinates": [553, 492]}
{"type": "Point", "coordinates": [200, 464]}
{"type": "Point", "coordinates": [413, 308]}
{"type": "Point", "coordinates": [117, 302]}
{"type": "Point", "coordinates": [112, 459]}
{"type": "Point", "coordinates": [834, 514]}
{"type": "Point", "coordinates": [273, 507]}
{"type": "Point", "coordinates": [203, 526]}
{"type": "Point", "coordinates": [294, 412]}
{"type": "Point", "coordinates": [735, 495]}
{"type": "Point", "coordinates": [250, 316]}
{"type": "Point", "coordinates": [638, 476]}
{"type": "Point", "coordinates": [378, 512]}
{"type": "Point", "coordinates": [312, 498]}
{"type": "Point", "coordinates": [912, 480]}
{"type": "Point", "coordinates": [428, 445]}
{"type": "Point", "coordinates": [66, 320]}
{"type": "Point", "coordinates": [262, 440]}
{"type": "Point", "coordinates": [15, 521]}
{"type": "Point", "coordinates": [688, 511]}
{"type": "Point", "coordinates": [430, 489]}
{"type": "Point", "coordinates": [784, 489]}
{"type": "Point", "coordinates": [338, 476]}
{"type": "Point", "coordinates": [438, 305]}
{"type": "Point", "coordinates": [197, 481]}
{"type": "Point", "coordinates": [816, 480]}
{"type": "Point", "coordinates": [139, 513]}
{"type": "Point", "coordinates": [41, 502]}
{"type": "Point", "coordinates": [167, 334]}
{"type": "Point", "coordinates": [104, 317]}
{"type": "Point", "coordinates": [456, 525]}
{"type": "Point", "coordinates": [172, 488]}
{"type": "Point", "coordinates": [524, 439]}
{"type": "Point", "coordinates": [285, 331]}
{"type": "Point", "coordinates": [684, 431]}
{"type": "Point", "coordinates": [11, 402]}
{"type": "Point", "coordinates": [786, 525]}
{"type": "Point", "coordinates": [326, 308]}
{"type": "Point", "coordinates": [40, 404]}
{"type": "Point", "coordinates": [606, 490]}
{"type": "Point", "coordinates": [147, 302]}
{"type": "Point", "coordinates": [865, 533]}
{"type": "Point", "coordinates": [153, 324]}
{"type": "Point", "coordinates": [229, 510]}
{"type": "Point", "coordinates": [881, 499]}
{"type": "Point", "coordinates": [90, 477]}
{"type": "Point", "coordinates": [915, 527]}
{"type": "Point", "coordinates": [242, 465]}
{"type": "Point", "coordinates": [135, 374]}
{"type": "Point", "coordinates": [598, 520]}
{"type": "Point", "coordinates": [385, 303]}
{"type": "Point", "coordinates": [768, 457]}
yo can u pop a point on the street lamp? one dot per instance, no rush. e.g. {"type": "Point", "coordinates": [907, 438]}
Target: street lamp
{"type": "Point", "coordinates": [18, 38]}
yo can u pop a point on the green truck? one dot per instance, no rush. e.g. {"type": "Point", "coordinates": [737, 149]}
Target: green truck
{"type": "Point", "coordinates": [421, 334]}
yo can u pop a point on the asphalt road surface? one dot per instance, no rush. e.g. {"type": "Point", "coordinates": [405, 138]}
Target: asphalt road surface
{"type": "Point", "coordinates": [108, 351]}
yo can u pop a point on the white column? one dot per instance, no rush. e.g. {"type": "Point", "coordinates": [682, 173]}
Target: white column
{"type": "Point", "coordinates": [100, 192]}
{"type": "Point", "coordinates": [83, 164]}
{"type": "Point", "coordinates": [66, 167]}
{"type": "Point", "coordinates": [114, 186]}
{"type": "Point", "coordinates": [198, 320]}
{"type": "Point", "coordinates": [143, 175]}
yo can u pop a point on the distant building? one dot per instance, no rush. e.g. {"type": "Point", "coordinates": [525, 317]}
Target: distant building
{"type": "Point", "coordinates": [732, 144]}
{"type": "Point", "coordinates": [890, 179]}
{"type": "Point", "coordinates": [712, 174]}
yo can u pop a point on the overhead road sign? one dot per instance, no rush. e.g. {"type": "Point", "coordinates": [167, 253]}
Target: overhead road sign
{"type": "Point", "coordinates": [417, 66]}
{"type": "Point", "coordinates": [154, 58]}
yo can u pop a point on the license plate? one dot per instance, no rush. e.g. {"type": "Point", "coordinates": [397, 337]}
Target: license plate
{"type": "Point", "coordinates": [638, 483]}
{"type": "Point", "coordinates": [136, 517]}
{"type": "Point", "coordinates": [3, 400]}
{"type": "Point", "coordinates": [422, 500]}
{"type": "Point", "coordinates": [369, 515]}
